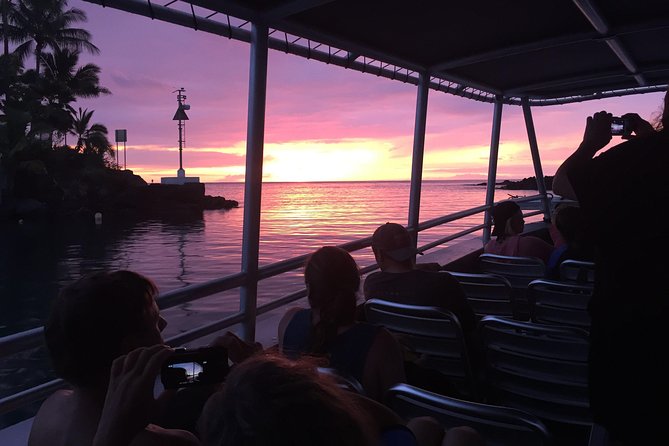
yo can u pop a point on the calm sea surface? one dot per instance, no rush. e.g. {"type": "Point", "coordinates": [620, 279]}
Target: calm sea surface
{"type": "Point", "coordinates": [37, 259]}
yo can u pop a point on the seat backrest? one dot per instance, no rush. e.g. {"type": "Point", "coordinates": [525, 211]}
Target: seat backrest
{"type": "Point", "coordinates": [577, 271]}
{"type": "Point", "coordinates": [519, 271]}
{"type": "Point", "coordinates": [487, 294]}
{"type": "Point", "coordinates": [497, 424]}
{"type": "Point", "coordinates": [561, 303]}
{"type": "Point", "coordinates": [344, 381]}
{"type": "Point", "coordinates": [432, 334]}
{"type": "Point", "coordinates": [538, 368]}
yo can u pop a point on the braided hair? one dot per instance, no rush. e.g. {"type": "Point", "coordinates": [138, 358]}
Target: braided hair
{"type": "Point", "coordinates": [333, 279]}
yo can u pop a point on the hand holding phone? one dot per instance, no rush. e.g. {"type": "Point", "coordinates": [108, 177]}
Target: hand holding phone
{"type": "Point", "coordinates": [619, 126]}
{"type": "Point", "coordinates": [202, 366]}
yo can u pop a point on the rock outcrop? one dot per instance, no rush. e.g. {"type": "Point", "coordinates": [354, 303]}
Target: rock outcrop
{"type": "Point", "coordinates": [524, 184]}
{"type": "Point", "coordinates": [66, 184]}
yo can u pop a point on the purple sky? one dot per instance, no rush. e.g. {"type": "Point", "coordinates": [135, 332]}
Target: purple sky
{"type": "Point", "coordinates": [323, 122]}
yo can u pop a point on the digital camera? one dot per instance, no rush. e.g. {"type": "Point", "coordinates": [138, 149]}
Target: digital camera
{"type": "Point", "coordinates": [619, 126]}
{"type": "Point", "coordinates": [202, 366]}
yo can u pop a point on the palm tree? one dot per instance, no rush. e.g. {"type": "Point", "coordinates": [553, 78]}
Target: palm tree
{"type": "Point", "coordinates": [6, 6]}
{"type": "Point", "coordinates": [62, 82]}
{"type": "Point", "coordinates": [15, 101]}
{"type": "Point", "coordinates": [48, 96]}
{"type": "Point", "coordinates": [93, 139]}
{"type": "Point", "coordinates": [40, 24]}
{"type": "Point", "coordinates": [67, 81]}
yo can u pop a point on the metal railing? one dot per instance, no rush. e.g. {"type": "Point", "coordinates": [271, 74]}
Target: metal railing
{"type": "Point", "coordinates": [33, 338]}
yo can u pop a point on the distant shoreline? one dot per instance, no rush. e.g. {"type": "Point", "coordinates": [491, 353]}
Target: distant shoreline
{"type": "Point", "coordinates": [475, 181]}
{"type": "Point", "coordinates": [529, 183]}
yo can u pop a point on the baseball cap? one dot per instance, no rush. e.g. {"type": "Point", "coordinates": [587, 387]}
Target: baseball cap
{"type": "Point", "coordinates": [394, 240]}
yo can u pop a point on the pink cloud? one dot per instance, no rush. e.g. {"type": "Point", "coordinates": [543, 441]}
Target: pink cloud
{"type": "Point", "coordinates": [143, 61]}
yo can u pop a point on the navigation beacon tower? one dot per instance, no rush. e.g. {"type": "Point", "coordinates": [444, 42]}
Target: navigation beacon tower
{"type": "Point", "coordinates": [180, 116]}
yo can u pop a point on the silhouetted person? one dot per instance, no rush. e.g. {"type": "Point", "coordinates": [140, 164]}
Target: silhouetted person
{"type": "Point", "coordinates": [93, 321]}
{"type": "Point", "coordinates": [400, 281]}
{"type": "Point", "coordinates": [572, 243]}
{"type": "Point", "coordinates": [328, 328]}
{"type": "Point", "coordinates": [271, 401]}
{"type": "Point", "coordinates": [507, 240]}
{"type": "Point", "coordinates": [622, 192]}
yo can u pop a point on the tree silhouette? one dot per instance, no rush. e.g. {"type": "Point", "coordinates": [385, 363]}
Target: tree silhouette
{"type": "Point", "coordinates": [91, 138]}
{"type": "Point", "coordinates": [39, 24]}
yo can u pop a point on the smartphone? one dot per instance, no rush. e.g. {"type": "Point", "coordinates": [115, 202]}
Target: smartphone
{"type": "Point", "coordinates": [202, 366]}
{"type": "Point", "coordinates": [619, 126]}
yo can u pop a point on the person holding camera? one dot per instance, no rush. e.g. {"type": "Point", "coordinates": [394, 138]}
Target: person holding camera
{"type": "Point", "coordinates": [94, 321]}
{"type": "Point", "coordinates": [112, 360]}
{"type": "Point", "coordinates": [621, 193]}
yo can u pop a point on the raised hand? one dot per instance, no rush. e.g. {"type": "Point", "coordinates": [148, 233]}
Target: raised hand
{"type": "Point", "coordinates": [130, 402]}
{"type": "Point", "coordinates": [638, 126]}
{"type": "Point", "coordinates": [597, 133]}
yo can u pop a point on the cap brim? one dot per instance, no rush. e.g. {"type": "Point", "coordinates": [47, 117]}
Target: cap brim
{"type": "Point", "coordinates": [402, 254]}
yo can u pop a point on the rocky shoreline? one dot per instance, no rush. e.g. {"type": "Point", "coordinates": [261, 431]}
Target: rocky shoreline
{"type": "Point", "coordinates": [524, 184]}
{"type": "Point", "coordinates": [86, 191]}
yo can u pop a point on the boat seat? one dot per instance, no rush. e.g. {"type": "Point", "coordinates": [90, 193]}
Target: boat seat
{"type": "Point", "coordinates": [344, 381]}
{"type": "Point", "coordinates": [519, 271]}
{"type": "Point", "coordinates": [577, 271]}
{"type": "Point", "coordinates": [500, 426]}
{"type": "Point", "coordinates": [541, 369]}
{"type": "Point", "coordinates": [432, 334]}
{"type": "Point", "coordinates": [561, 303]}
{"type": "Point", "coordinates": [487, 294]}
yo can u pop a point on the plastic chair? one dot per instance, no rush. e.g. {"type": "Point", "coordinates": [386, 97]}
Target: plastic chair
{"type": "Point", "coordinates": [561, 303]}
{"type": "Point", "coordinates": [488, 294]}
{"type": "Point", "coordinates": [541, 369]}
{"type": "Point", "coordinates": [344, 381]}
{"type": "Point", "coordinates": [577, 271]}
{"type": "Point", "coordinates": [434, 335]}
{"type": "Point", "coordinates": [519, 271]}
{"type": "Point", "coordinates": [500, 426]}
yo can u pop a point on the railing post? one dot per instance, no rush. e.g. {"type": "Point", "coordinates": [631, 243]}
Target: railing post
{"type": "Point", "coordinates": [255, 135]}
{"type": "Point", "coordinates": [492, 165]}
{"type": "Point", "coordinates": [418, 151]}
{"type": "Point", "coordinates": [536, 160]}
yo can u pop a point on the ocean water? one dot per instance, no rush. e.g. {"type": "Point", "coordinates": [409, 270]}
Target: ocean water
{"type": "Point", "coordinates": [37, 259]}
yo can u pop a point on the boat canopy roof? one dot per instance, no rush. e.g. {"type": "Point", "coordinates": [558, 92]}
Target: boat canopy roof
{"type": "Point", "coordinates": [545, 52]}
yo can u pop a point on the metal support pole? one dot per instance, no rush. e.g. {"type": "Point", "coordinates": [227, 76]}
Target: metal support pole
{"type": "Point", "coordinates": [418, 151]}
{"type": "Point", "coordinates": [125, 163]}
{"type": "Point", "coordinates": [492, 165]}
{"type": "Point", "coordinates": [255, 135]}
{"type": "Point", "coordinates": [180, 144]}
{"type": "Point", "coordinates": [536, 160]}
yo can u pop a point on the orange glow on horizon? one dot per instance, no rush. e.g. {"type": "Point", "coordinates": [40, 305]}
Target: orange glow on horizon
{"type": "Point", "coordinates": [340, 160]}
{"type": "Point", "coordinates": [344, 160]}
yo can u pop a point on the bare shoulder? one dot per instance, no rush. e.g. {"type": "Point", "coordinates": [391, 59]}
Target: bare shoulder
{"type": "Point", "coordinates": [534, 246]}
{"type": "Point", "coordinates": [157, 436]}
{"type": "Point", "coordinates": [48, 426]}
{"type": "Point", "coordinates": [384, 366]}
{"type": "Point", "coordinates": [57, 400]}
{"type": "Point", "coordinates": [385, 341]}
{"type": "Point", "coordinates": [384, 345]}
{"type": "Point", "coordinates": [533, 239]}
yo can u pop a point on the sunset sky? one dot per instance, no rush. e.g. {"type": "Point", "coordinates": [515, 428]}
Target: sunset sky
{"type": "Point", "coordinates": [323, 122]}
